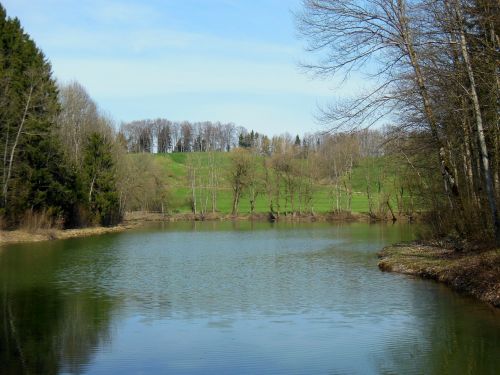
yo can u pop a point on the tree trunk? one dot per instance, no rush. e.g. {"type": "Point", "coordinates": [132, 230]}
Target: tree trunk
{"type": "Point", "coordinates": [193, 189]}
{"type": "Point", "coordinates": [490, 189]}
{"type": "Point", "coordinates": [446, 174]}
{"type": "Point", "coordinates": [91, 190]}
{"type": "Point", "coordinates": [236, 199]}
{"type": "Point", "coordinates": [14, 146]}
{"type": "Point", "coordinates": [394, 219]}
{"type": "Point", "coordinates": [214, 189]}
{"type": "Point", "coordinates": [467, 155]}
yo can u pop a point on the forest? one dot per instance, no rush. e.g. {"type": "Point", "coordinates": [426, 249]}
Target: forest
{"type": "Point", "coordinates": [424, 139]}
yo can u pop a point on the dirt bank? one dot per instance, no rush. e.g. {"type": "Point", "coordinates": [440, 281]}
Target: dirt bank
{"type": "Point", "coordinates": [476, 273]}
{"type": "Point", "coordinates": [17, 236]}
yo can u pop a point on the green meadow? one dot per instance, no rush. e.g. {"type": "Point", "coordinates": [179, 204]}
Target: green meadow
{"type": "Point", "coordinates": [377, 175]}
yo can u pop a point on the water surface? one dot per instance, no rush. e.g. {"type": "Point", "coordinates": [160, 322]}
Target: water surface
{"type": "Point", "coordinates": [235, 298]}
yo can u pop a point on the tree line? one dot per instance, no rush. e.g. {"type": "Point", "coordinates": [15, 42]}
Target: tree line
{"type": "Point", "coordinates": [436, 65]}
{"type": "Point", "coordinates": [164, 136]}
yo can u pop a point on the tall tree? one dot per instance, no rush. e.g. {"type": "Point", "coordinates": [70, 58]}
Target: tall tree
{"type": "Point", "coordinates": [238, 174]}
{"type": "Point", "coordinates": [32, 165]}
{"type": "Point", "coordinates": [77, 119]}
{"type": "Point", "coordinates": [100, 180]}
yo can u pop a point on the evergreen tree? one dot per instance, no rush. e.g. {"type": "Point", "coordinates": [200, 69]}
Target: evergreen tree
{"type": "Point", "coordinates": [45, 183]}
{"type": "Point", "coordinates": [100, 180]}
{"type": "Point", "coordinates": [246, 140]}
{"type": "Point", "coordinates": [34, 174]}
{"type": "Point", "coordinates": [297, 141]}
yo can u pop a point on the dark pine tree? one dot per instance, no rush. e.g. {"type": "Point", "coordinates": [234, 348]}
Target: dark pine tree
{"type": "Point", "coordinates": [34, 174]}
{"type": "Point", "coordinates": [297, 141]}
{"type": "Point", "coordinates": [100, 180]}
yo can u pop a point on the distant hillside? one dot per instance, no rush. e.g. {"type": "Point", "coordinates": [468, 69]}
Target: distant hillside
{"type": "Point", "coordinates": [379, 173]}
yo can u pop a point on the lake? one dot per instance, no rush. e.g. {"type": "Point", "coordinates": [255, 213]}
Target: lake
{"type": "Point", "coordinates": [234, 298]}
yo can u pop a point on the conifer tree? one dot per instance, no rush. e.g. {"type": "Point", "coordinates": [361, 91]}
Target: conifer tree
{"type": "Point", "coordinates": [33, 173]}
{"type": "Point", "coordinates": [100, 180]}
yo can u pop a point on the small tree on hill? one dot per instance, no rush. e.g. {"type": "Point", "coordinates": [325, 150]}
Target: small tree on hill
{"type": "Point", "coordinates": [239, 175]}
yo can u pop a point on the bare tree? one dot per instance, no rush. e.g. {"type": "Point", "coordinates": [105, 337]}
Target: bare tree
{"type": "Point", "coordinates": [238, 175]}
{"type": "Point", "coordinates": [421, 55]}
{"type": "Point", "coordinates": [77, 119]}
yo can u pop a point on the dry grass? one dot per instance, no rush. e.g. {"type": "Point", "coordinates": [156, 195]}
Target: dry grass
{"type": "Point", "coordinates": [476, 273]}
{"type": "Point", "coordinates": [33, 222]}
{"type": "Point", "coordinates": [18, 236]}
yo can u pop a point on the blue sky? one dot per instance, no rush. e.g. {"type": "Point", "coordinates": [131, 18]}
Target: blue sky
{"type": "Point", "coordinates": [219, 60]}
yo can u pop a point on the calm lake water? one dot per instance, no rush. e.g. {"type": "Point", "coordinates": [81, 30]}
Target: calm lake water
{"type": "Point", "coordinates": [234, 298]}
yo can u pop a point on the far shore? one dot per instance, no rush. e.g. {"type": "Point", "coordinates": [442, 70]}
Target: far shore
{"type": "Point", "coordinates": [473, 272]}
{"type": "Point", "coordinates": [139, 216]}
{"type": "Point", "coordinates": [134, 219]}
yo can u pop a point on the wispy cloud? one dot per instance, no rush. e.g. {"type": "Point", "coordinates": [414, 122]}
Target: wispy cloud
{"type": "Point", "coordinates": [123, 12]}
{"type": "Point", "coordinates": [116, 77]}
{"type": "Point", "coordinates": [159, 42]}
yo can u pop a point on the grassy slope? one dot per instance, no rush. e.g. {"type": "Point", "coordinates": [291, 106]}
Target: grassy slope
{"type": "Point", "coordinates": [176, 168]}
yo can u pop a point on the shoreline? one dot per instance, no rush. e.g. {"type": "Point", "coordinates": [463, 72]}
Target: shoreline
{"type": "Point", "coordinates": [135, 219]}
{"type": "Point", "coordinates": [473, 273]}
{"type": "Point", "coordinates": [10, 237]}
{"type": "Point", "coordinates": [138, 216]}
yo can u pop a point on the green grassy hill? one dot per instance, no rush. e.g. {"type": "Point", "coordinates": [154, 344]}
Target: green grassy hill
{"type": "Point", "coordinates": [377, 173]}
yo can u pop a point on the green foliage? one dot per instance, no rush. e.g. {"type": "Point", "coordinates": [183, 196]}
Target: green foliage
{"type": "Point", "coordinates": [100, 180]}
{"type": "Point", "coordinates": [247, 140]}
{"type": "Point", "coordinates": [34, 173]}
{"type": "Point", "coordinates": [48, 182]}
{"type": "Point", "coordinates": [38, 176]}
